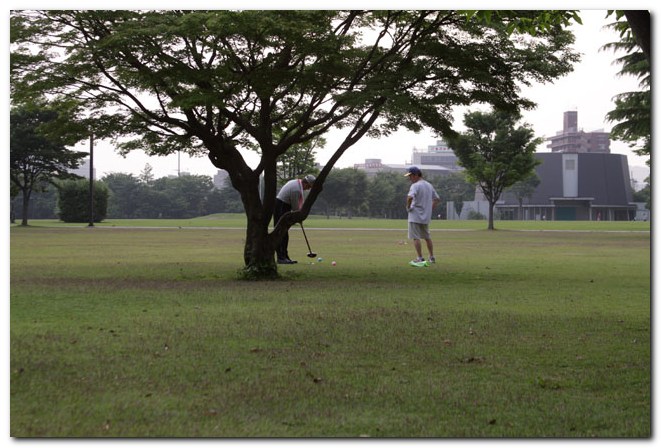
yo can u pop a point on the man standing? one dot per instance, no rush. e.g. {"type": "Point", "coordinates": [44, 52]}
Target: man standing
{"type": "Point", "coordinates": [421, 200]}
{"type": "Point", "coordinates": [290, 197]}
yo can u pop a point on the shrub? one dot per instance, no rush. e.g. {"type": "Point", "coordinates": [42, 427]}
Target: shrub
{"type": "Point", "coordinates": [476, 215]}
{"type": "Point", "coordinates": [73, 201]}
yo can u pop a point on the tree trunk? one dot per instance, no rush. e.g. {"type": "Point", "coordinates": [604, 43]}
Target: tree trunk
{"type": "Point", "coordinates": [259, 252]}
{"type": "Point", "coordinates": [640, 23]}
{"type": "Point", "coordinates": [26, 204]}
{"type": "Point", "coordinates": [259, 249]}
{"type": "Point", "coordinates": [490, 226]}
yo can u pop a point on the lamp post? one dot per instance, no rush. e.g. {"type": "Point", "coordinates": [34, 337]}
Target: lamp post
{"type": "Point", "coordinates": [91, 211]}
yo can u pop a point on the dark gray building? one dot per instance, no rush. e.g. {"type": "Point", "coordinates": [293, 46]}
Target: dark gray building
{"type": "Point", "coordinates": [576, 186]}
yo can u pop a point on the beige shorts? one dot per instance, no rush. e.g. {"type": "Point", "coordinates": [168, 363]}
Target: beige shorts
{"type": "Point", "coordinates": [419, 231]}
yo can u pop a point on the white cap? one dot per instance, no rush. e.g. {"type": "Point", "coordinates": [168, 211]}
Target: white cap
{"type": "Point", "coordinates": [309, 179]}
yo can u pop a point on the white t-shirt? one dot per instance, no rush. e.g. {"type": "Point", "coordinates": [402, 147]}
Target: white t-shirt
{"type": "Point", "coordinates": [292, 193]}
{"type": "Point", "coordinates": [423, 194]}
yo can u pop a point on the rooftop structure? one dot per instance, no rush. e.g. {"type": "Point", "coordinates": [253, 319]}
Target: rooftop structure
{"type": "Point", "coordinates": [439, 154]}
{"type": "Point", "coordinates": [435, 160]}
{"type": "Point", "coordinates": [374, 166]}
{"type": "Point", "coordinates": [574, 140]}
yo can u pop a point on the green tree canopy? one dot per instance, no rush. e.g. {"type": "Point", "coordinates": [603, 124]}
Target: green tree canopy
{"type": "Point", "coordinates": [524, 188]}
{"type": "Point", "coordinates": [218, 82]}
{"type": "Point", "coordinates": [633, 110]}
{"type": "Point", "coordinates": [495, 152]}
{"type": "Point", "coordinates": [37, 159]}
{"type": "Point", "coordinates": [299, 160]}
{"type": "Point", "coordinates": [386, 195]}
{"type": "Point", "coordinates": [455, 188]}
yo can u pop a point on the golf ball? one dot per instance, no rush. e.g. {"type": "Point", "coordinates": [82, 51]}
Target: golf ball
{"type": "Point", "coordinates": [333, 263]}
{"type": "Point", "coordinates": [320, 259]}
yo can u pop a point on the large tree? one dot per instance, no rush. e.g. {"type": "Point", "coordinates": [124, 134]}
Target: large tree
{"type": "Point", "coordinates": [220, 82]}
{"type": "Point", "coordinates": [633, 110]}
{"type": "Point", "coordinates": [36, 159]}
{"type": "Point", "coordinates": [637, 24]}
{"type": "Point", "coordinates": [495, 152]}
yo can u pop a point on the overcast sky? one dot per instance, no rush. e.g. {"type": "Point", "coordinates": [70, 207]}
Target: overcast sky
{"type": "Point", "coordinates": [589, 90]}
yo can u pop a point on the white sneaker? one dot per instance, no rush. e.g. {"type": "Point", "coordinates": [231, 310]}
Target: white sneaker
{"type": "Point", "coordinates": [432, 259]}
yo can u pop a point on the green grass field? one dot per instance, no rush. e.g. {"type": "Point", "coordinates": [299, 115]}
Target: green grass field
{"type": "Point", "coordinates": [237, 220]}
{"type": "Point", "coordinates": [144, 332]}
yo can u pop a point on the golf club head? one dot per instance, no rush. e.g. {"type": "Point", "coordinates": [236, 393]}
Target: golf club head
{"type": "Point", "coordinates": [312, 254]}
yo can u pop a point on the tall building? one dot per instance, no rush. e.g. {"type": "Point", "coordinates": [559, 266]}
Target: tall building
{"type": "Point", "coordinates": [439, 154]}
{"type": "Point", "coordinates": [221, 179]}
{"type": "Point", "coordinates": [574, 140]}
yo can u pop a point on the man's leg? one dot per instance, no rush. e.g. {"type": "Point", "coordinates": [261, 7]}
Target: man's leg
{"type": "Point", "coordinates": [418, 248]}
{"type": "Point", "coordinates": [430, 248]}
{"type": "Point", "coordinates": [280, 209]}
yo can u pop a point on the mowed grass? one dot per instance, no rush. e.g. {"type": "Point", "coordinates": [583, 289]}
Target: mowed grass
{"type": "Point", "coordinates": [148, 333]}
{"type": "Point", "coordinates": [238, 221]}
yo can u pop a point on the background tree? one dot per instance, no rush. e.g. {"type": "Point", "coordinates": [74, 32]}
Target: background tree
{"type": "Point", "coordinates": [216, 82]}
{"type": "Point", "coordinates": [346, 192]}
{"type": "Point", "coordinates": [185, 195]}
{"type": "Point", "coordinates": [36, 159]}
{"type": "Point", "coordinates": [43, 204]}
{"type": "Point", "coordinates": [454, 187]}
{"type": "Point", "coordinates": [644, 194]}
{"type": "Point", "coordinates": [495, 153]}
{"type": "Point", "coordinates": [299, 160]}
{"type": "Point", "coordinates": [147, 175]}
{"type": "Point", "coordinates": [633, 110]}
{"type": "Point", "coordinates": [229, 200]}
{"type": "Point", "coordinates": [126, 194]}
{"type": "Point", "coordinates": [13, 192]}
{"type": "Point", "coordinates": [386, 192]}
{"type": "Point", "coordinates": [524, 189]}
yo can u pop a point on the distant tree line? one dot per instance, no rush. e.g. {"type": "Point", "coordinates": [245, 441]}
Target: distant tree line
{"type": "Point", "coordinates": [186, 196]}
{"type": "Point", "coordinates": [348, 192]}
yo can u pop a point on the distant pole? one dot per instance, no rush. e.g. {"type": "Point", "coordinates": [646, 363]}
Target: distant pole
{"type": "Point", "coordinates": [91, 213]}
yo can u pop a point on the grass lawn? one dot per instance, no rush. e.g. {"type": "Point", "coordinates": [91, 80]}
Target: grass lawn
{"type": "Point", "coordinates": [238, 221]}
{"type": "Point", "coordinates": [142, 332]}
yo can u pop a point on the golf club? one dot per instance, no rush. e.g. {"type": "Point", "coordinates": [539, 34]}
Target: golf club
{"type": "Point", "coordinates": [310, 253]}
